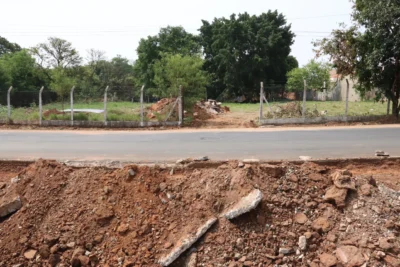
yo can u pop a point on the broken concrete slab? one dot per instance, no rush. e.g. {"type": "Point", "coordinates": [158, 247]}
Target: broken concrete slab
{"type": "Point", "coordinates": [8, 207]}
{"type": "Point", "coordinates": [305, 158]}
{"type": "Point", "coordinates": [244, 205]}
{"type": "Point", "coordinates": [250, 161]}
{"type": "Point", "coordinates": [186, 242]}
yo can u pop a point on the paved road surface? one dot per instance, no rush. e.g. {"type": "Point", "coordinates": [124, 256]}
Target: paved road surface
{"type": "Point", "coordinates": [269, 144]}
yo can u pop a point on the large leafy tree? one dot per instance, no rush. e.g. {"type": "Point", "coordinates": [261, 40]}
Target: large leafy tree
{"type": "Point", "coordinates": [175, 70]}
{"type": "Point", "coordinates": [8, 47]}
{"type": "Point", "coordinates": [172, 40]}
{"type": "Point", "coordinates": [369, 49]}
{"type": "Point", "coordinates": [315, 74]}
{"type": "Point", "coordinates": [244, 50]}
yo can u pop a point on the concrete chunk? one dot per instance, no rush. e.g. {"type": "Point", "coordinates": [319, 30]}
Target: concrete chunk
{"type": "Point", "coordinates": [186, 242]}
{"type": "Point", "coordinates": [8, 207]}
{"type": "Point", "coordinates": [245, 205]}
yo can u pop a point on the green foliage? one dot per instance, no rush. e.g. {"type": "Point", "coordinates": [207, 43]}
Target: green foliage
{"type": "Point", "coordinates": [172, 40]}
{"type": "Point", "coordinates": [7, 47]}
{"type": "Point", "coordinates": [291, 63]}
{"type": "Point", "coordinates": [315, 73]}
{"type": "Point", "coordinates": [244, 50]}
{"type": "Point", "coordinates": [369, 49]}
{"type": "Point", "coordinates": [61, 83]}
{"type": "Point", "coordinates": [175, 70]}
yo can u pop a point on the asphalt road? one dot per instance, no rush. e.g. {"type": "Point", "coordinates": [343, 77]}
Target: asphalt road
{"type": "Point", "coordinates": [268, 144]}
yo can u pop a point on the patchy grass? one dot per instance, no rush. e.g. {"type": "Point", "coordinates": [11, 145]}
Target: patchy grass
{"type": "Point", "coordinates": [334, 108]}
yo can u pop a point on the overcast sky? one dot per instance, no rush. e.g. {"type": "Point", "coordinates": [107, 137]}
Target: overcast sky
{"type": "Point", "coordinates": [117, 26]}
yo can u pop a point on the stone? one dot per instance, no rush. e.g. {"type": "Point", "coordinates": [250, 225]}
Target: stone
{"type": "Point", "coordinates": [244, 205]}
{"type": "Point", "coordinates": [167, 245]}
{"type": "Point", "coordinates": [328, 260]}
{"type": "Point", "coordinates": [186, 242]}
{"type": "Point", "coordinates": [183, 161]}
{"type": "Point", "coordinates": [366, 190]}
{"type": "Point", "coordinates": [350, 255]}
{"type": "Point", "coordinates": [302, 243]}
{"type": "Point", "coordinates": [71, 244]}
{"type": "Point", "coordinates": [240, 165]}
{"type": "Point", "coordinates": [293, 178]}
{"type": "Point", "coordinates": [78, 252]}
{"type": "Point", "coordinates": [275, 171]}
{"type": "Point", "coordinates": [392, 261]}
{"type": "Point", "coordinates": [345, 182]}
{"type": "Point", "coordinates": [285, 251]}
{"type": "Point", "coordinates": [51, 240]}
{"type": "Point", "coordinates": [331, 237]}
{"type": "Point", "coordinates": [378, 254]}
{"type": "Point", "coordinates": [315, 177]}
{"type": "Point", "coordinates": [9, 206]}
{"type": "Point", "coordinates": [30, 254]}
{"type": "Point", "coordinates": [300, 218]}
{"type": "Point", "coordinates": [336, 195]}
{"type": "Point", "coordinates": [3, 185]}
{"type": "Point", "coordinates": [84, 260]}
{"type": "Point", "coordinates": [54, 249]}
{"type": "Point", "coordinates": [250, 161]}
{"type": "Point", "coordinates": [44, 251]}
{"type": "Point", "coordinates": [76, 262]}
{"type": "Point", "coordinates": [192, 260]}
{"type": "Point", "coordinates": [384, 244]}
{"type": "Point", "coordinates": [163, 186]}
{"type": "Point", "coordinates": [239, 242]}
{"type": "Point", "coordinates": [54, 260]}
{"type": "Point", "coordinates": [321, 224]}
{"type": "Point", "coordinates": [248, 263]}
{"type": "Point", "coordinates": [205, 158]}
{"type": "Point", "coordinates": [123, 229]}
{"type": "Point", "coordinates": [305, 158]}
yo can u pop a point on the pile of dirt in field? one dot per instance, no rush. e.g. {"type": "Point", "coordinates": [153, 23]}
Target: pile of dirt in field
{"type": "Point", "coordinates": [310, 215]}
{"type": "Point", "coordinates": [162, 105]}
{"type": "Point", "coordinates": [47, 113]}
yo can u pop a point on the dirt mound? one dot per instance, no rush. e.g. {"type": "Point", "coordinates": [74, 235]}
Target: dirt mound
{"type": "Point", "coordinates": [212, 107]}
{"type": "Point", "coordinates": [47, 113]}
{"type": "Point", "coordinates": [162, 105]}
{"type": "Point", "coordinates": [310, 215]}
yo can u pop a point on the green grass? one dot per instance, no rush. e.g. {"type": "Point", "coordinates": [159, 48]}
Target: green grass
{"type": "Point", "coordinates": [127, 111]}
{"type": "Point", "coordinates": [334, 108]}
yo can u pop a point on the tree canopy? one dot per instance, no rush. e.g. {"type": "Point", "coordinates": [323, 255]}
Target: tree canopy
{"type": "Point", "coordinates": [315, 73]}
{"type": "Point", "coordinates": [244, 50]}
{"type": "Point", "coordinates": [368, 50]}
{"type": "Point", "coordinates": [8, 47]}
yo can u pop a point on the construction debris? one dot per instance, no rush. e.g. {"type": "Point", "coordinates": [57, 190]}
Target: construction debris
{"type": "Point", "coordinates": [212, 107]}
{"type": "Point", "coordinates": [8, 207]}
{"type": "Point", "coordinates": [245, 205]}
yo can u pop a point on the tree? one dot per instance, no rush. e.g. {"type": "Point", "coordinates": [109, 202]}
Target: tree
{"type": "Point", "coordinates": [315, 73]}
{"type": "Point", "coordinates": [62, 83]}
{"type": "Point", "coordinates": [369, 49]}
{"type": "Point", "coordinates": [7, 47]}
{"type": "Point", "coordinates": [244, 50]}
{"type": "Point", "coordinates": [291, 63]}
{"type": "Point", "coordinates": [175, 70]}
{"type": "Point", "coordinates": [172, 40]}
{"type": "Point", "coordinates": [56, 53]}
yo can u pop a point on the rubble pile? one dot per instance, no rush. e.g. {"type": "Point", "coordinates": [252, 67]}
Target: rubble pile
{"type": "Point", "coordinates": [201, 214]}
{"type": "Point", "coordinates": [212, 107]}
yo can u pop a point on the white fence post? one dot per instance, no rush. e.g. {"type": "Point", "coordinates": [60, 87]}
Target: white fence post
{"type": "Point", "coordinates": [141, 107]}
{"type": "Point", "coordinates": [40, 106]}
{"type": "Point", "coordinates": [304, 99]}
{"type": "Point", "coordinates": [105, 106]}
{"type": "Point", "coordinates": [347, 98]}
{"type": "Point", "coordinates": [72, 105]}
{"type": "Point", "coordinates": [261, 101]}
{"type": "Point", "coordinates": [9, 104]}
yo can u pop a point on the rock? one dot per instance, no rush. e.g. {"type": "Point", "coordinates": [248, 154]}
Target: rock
{"type": "Point", "coordinates": [240, 165]}
{"type": "Point", "coordinates": [378, 254]}
{"type": "Point", "coordinates": [51, 240]}
{"type": "Point", "coordinates": [3, 185]}
{"type": "Point", "coordinates": [337, 195]}
{"type": "Point", "coordinates": [192, 260]}
{"type": "Point", "coordinates": [78, 252]}
{"type": "Point", "coordinates": [250, 161]}
{"type": "Point", "coordinates": [384, 244]}
{"type": "Point", "coordinates": [244, 205]}
{"type": "Point", "coordinates": [15, 180]}
{"type": "Point", "coordinates": [84, 260]}
{"type": "Point", "coordinates": [285, 251]}
{"type": "Point", "coordinates": [183, 161]}
{"type": "Point", "coordinates": [54, 249]}
{"type": "Point", "coordinates": [167, 245]}
{"type": "Point", "coordinates": [350, 255]}
{"type": "Point", "coordinates": [305, 158]}
{"type": "Point", "coordinates": [30, 254]}
{"type": "Point", "coordinates": [76, 262]}
{"type": "Point", "coordinates": [205, 158]}
{"type": "Point", "coordinates": [392, 261]}
{"type": "Point", "coordinates": [315, 177]}
{"type": "Point", "coordinates": [302, 243]}
{"type": "Point", "coordinates": [9, 206]}
{"type": "Point", "coordinates": [339, 173]}
{"type": "Point", "coordinates": [131, 175]}
{"type": "Point", "coordinates": [162, 186]}
{"type": "Point", "coordinates": [54, 260]}
{"type": "Point", "coordinates": [366, 189]}
{"type": "Point", "coordinates": [273, 170]}
{"type": "Point", "coordinates": [123, 229]}
{"type": "Point", "coordinates": [328, 260]}
{"type": "Point", "coordinates": [331, 237]}
{"type": "Point", "coordinates": [186, 242]}
{"type": "Point", "coordinates": [300, 218]}
{"type": "Point", "coordinates": [321, 224]}
{"type": "Point", "coordinates": [239, 242]}
{"type": "Point", "coordinates": [71, 244]}
{"type": "Point", "coordinates": [345, 182]}
{"type": "Point", "coordinates": [248, 263]}
{"type": "Point", "coordinates": [44, 251]}
{"type": "Point", "coordinates": [293, 178]}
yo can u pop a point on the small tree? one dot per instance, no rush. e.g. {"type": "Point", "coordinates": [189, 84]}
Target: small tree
{"type": "Point", "coordinates": [175, 70]}
{"type": "Point", "coordinates": [315, 73]}
{"type": "Point", "coordinates": [61, 84]}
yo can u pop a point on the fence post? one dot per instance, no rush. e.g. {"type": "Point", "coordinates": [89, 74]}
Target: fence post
{"type": "Point", "coordinates": [180, 113]}
{"type": "Point", "coordinates": [388, 107]}
{"type": "Point", "coordinates": [347, 97]}
{"type": "Point", "coordinates": [9, 104]}
{"type": "Point", "coordinates": [40, 106]}
{"type": "Point", "coordinates": [141, 107]}
{"type": "Point", "coordinates": [105, 106]}
{"type": "Point", "coordinates": [261, 101]}
{"type": "Point", "coordinates": [304, 99]}
{"type": "Point", "coordinates": [72, 105]}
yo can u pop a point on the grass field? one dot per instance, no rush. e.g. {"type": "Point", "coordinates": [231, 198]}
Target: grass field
{"type": "Point", "coordinates": [127, 111]}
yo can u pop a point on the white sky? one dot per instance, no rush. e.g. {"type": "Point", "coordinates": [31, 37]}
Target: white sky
{"type": "Point", "coordinates": [117, 26]}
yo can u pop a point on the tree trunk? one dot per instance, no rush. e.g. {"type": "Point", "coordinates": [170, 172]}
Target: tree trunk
{"type": "Point", "coordinates": [396, 91]}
